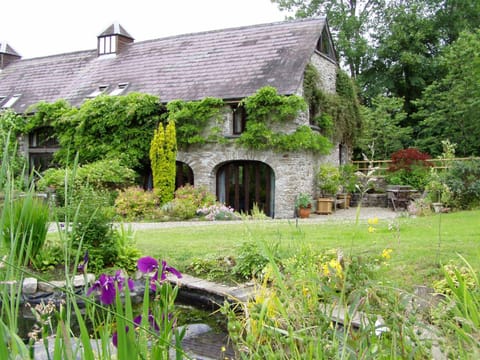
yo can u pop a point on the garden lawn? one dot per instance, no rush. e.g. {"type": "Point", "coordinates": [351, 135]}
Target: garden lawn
{"type": "Point", "coordinates": [420, 245]}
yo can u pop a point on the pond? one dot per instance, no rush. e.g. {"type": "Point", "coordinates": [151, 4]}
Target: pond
{"type": "Point", "coordinates": [206, 334]}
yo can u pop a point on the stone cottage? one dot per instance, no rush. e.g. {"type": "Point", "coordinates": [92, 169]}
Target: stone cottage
{"type": "Point", "coordinates": [229, 64]}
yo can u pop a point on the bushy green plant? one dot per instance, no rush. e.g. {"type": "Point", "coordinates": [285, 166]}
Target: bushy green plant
{"type": "Point", "coordinates": [108, 175]}
{"type": "Point", "coordinates": [211, 268]}
{"type": "Point", "coordinates": [134, 203]}
{"type": "Point", "coordinates": [188, 199]}
{"type": "Point", "coordinates": [51, 254]}
{"type": "Point", "coordinates": [417, 176]}
{"type": "Point", "coordinates": [257, 214]}
{"type": "Point", "coordinates": [437, 190]}
{"type": "Point", "coordinates": [128, 253]}
{"type": "Point", "coordinates": [348, 178]}
{"type": "Point", "coordinates": [92, 230]}
{"type": "Point", "coordinates": [328, 179]}
{"type": "Point", "coordinates": [458, 316]}
{"type": "Point", "coordinates": [198, 195]}
{"type": "Point", "coordinates": [182, 208]}
{"type": "Point", "coordinates": [463, 179]}
{"type": "Point", "coordinates": [250, 260]}
{"type": "Point", "coordinates": [25, 225]}
{"type": "Point", "coordinates": [303, 200]}
{"type": "Point", "coordinates": [303, 138]}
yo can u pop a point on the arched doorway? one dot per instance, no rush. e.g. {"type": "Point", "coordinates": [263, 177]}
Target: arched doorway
{"type": "Point", "coordinates": [184, 175]}
{"type": "Point", "coordinates": [241, 184]}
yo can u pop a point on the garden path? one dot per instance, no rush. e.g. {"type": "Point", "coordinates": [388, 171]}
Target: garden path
{"type": "Point", "coordinates": [339, 215]}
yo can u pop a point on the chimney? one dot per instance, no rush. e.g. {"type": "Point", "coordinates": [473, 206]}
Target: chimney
{"type": "Point", "coordinates": [113, 40]}
{"type": "Point", "coordinates": [7, 55]}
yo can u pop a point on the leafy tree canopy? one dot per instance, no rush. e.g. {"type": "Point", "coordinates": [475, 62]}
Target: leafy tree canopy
{"type": "Point", "coordinates": [450, 106]}
{"type": "Point", "coordinates": [382, 134]}
{"type": "Point", "coordinates": [350, 21]}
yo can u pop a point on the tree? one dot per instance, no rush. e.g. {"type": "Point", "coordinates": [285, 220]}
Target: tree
{"type": "Point", "coordinates": [455, 16]}
{"type": "Point", "coordinates": [450, 106]}
{"type": "Point", "coordinates": [405, 59]}
{"type": "Point", "coordinates": [350, 21]}
{"type": "Point", "coordinates": [382, 127]}
{"type": "Point", "coordinates": [163, 153]}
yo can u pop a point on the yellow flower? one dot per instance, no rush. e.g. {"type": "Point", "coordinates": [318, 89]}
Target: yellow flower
{"type": "Point", "coordinates": [386, 253]}
{"type": "Point", "coordinates": [371, 229]}
{"type": "Point", "coordinates": [333, 267]}
{"type": "Point", "coordinates": [373, 221]}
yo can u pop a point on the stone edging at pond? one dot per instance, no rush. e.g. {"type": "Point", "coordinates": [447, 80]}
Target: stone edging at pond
{"type": "Point", "coordinates": [192, 290]}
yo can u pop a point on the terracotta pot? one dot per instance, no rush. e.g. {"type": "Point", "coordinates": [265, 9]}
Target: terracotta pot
{"type": "Point", "coordinates": [304, 212]}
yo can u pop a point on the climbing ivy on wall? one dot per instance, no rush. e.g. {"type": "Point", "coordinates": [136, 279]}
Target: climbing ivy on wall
{"type": "Point", "coordinates": [163, 154]}
{"type": "Point", "coordinates": [265, 108]}
{"type": "Point", "coordinates": [106, 127]}
{"type": "Point", "coordinates": [192, 118]}
{"type": "Point", "coordinates": [336, 114]}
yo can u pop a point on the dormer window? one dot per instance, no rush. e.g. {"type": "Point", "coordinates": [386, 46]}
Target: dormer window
{"type": "Point", "coordinates": [107, 45]}
{"type": "Point", "coordinates": [10, 102]}
{"type": "Point", "coordinates": [101, 89]}
{"type": "Point", "coordinates": [113, 40]}
{"type": "Point", "coordinates": [239, 119]}
{"type": "Point", "coordinates": [325, 46]}
{"type": "Point", "coordinates": [119, 89]}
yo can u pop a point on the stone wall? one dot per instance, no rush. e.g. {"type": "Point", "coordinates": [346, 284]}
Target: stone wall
{"type": "Point", "coordinates": [371, 200]}
{"type": "Point", "coordinates": [293, 172]}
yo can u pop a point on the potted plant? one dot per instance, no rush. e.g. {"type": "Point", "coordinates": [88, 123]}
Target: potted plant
{"type": "Point", "coordinates": [348, 183]}
{"type": "Point", "coordinates": [438, 193]}
{"type": "Point", "coordinates": [328, 184]}
{"type": "Point", "coordinates": [303, 204]}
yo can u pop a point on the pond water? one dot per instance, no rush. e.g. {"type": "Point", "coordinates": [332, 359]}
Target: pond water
{"type": "Point", "coordinates": [205, 340]}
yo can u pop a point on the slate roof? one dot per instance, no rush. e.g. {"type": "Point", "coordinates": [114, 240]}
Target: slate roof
{"type": "Point", "coordinates": [229, 64]}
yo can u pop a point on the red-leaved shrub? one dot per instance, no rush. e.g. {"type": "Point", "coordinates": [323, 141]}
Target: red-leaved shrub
{"type": "Point", "coordinates": [407, 158]}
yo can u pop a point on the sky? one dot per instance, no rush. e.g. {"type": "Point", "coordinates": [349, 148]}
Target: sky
{"type": "Point", "coordinates": [37, 28]}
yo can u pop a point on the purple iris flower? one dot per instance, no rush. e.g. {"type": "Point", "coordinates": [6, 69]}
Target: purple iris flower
{"type": "Point", "coordinates": [82, 267]}
{"type": "Point", "coordinates": [120, 280]}
{"type": "Point", "coordinates": [148, 265]}
{"type": "Point", "coordinates": [105, 285]}
{"type": "Point", "coordinates": [151, 321]}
